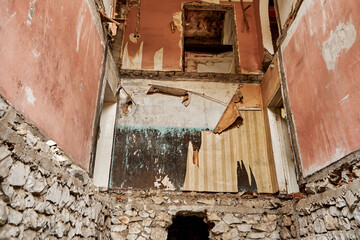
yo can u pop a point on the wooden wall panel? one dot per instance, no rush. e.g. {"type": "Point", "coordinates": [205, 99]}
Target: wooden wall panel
{"type": "Point", "coordinates": [219, 156]}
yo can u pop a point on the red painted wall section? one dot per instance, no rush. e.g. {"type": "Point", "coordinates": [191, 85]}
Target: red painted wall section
{"type": "Point", "coordinates": [155, 33]}
{"type": "Point", "coordinates": [50, 63]}
{"type": "Point", "coordinates": [321, 62]}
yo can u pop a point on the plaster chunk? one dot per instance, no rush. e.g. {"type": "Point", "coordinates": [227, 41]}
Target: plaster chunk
{"type": "Point", "coordinates": [340, 40]}
{"type": "Point", "coordinates": [244, 227]}
{"type": "Point", "coordinates": [147, 222]}
{"type": "Point", "coordinates": [265, 227]}
{"type": "Point", "coordinates": [3, 107]}
{"type": "Point", "coordinates": [232, 234]}
{"type": "Point", "coordinates": [14, 217]}
{"type": "Point", "coordinates": [4, 152]}
{"type": "Point", "coordinates": [5, 165]}
{"type": "Point", "coordinates": [330, 222]}
{"type": "Point", "coordinates": [256, 235]}
{"type": "Point", "coordinates": [220, 227]}
{"type": "Point", "coordinates": [158, 234]}
{"type": "Point", "coordinates": [135, 228]}
{"type": "Point", "coordinates": [35, 183]}
{"type": "Point", "coordinates": [54, 194]}
{"type": "Point", "coordinates": [231, 219]}
{"type": "Point", "coordinates": [319, 226]}
{"type": "Point", "coordinates": [3, 213]}
{"type": "Point", "coordinates": [9, 232]}
{"type": "Point", "coordinates": [334, 211]}
{"type": "Point", "coordinates": [31, 140]}
{"type": "Point", "coordinates": [351, 199]}
{"type": "Point", "coordinates": [118, 228]}
{"type": "Point", "coordinates": [18, 174]}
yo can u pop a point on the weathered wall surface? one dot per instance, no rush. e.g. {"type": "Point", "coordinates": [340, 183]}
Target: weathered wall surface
{"type": "Point", "coordinates": [321, 55]}
{"type": "Point", "coordinates": [157, 48]}
{"type": "Point", "coordinates": [50, 68]}
{"type": "Point", "coordinates": [43, 195]}
{"type": "Point", "coordinates": [157, 139]}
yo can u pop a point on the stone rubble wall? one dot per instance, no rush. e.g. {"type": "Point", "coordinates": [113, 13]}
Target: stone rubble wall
{"type": "Point", "coordinates": [43, 195]}
{"type": "Point", "coordinates": [147, 215]}
{"type": "Point", "coordinates": [333, 214]}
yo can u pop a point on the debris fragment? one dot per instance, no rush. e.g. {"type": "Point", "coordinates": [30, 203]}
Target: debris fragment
{"type": "Point", "coordinates": [180, 93]}
{"type": "Point", "coordinates": [231, 114]}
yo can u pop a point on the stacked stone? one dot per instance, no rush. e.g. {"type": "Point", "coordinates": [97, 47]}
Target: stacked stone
{"type": "Point", "coordinates": [337, 177]}
{"type": "Point", "coordinates": [334, 214]}
{"type": "Point", "coordinates": [147, 215]}
{"type": "Point", "coordinates": [43, 195]}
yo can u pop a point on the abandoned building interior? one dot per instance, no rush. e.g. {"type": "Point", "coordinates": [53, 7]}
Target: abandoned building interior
{"type": "Point", "coordinates": [180, 119]}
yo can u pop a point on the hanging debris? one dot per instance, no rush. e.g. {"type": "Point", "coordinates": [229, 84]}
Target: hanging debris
{"type": "Point", "coordinates": [231, 114]}
{"type": "Point", "coordinates": [180, 93]}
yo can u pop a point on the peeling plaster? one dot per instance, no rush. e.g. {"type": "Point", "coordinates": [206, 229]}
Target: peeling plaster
{"type": "Point", "coordinates": [265, 26]}
{"type": "Point", "coordinates": [158, 59]}
{"type": "Point", "coordinates": [212, 1]}
{"type": "Point", "coordinates": [132, 62]}
{"type": "Point", "coordinates": [31, 12]}
{"type": "Point", "coordinates": [177, 19]}
{"type": "Point", "coordinates": [341, 39]}
{"type": "Point", "coordinates": [30, 95]}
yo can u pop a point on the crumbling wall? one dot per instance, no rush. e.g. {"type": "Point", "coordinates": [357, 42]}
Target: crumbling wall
{"type": "Point", "coordinates": [320, 55]}
{"type": "Point", "coordinates": [42, 192]}
{"type": "Point", "coordinates": [158, 48]}
{"type": "Point", "coordinates": [51, 60]}
{"type": "Point", "coordinates": [43, 195]}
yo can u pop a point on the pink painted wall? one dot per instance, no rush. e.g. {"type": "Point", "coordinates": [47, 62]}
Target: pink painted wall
{"type": "Point", "coordinates": [50, 63]}
{"type": "Point", "coordinates": [321, 63]}
{"type": "Point", "coordinates": [155, 33]}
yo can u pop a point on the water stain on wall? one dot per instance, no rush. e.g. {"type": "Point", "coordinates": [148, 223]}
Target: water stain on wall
{"type": "Point", "coordinates": [151, 157]}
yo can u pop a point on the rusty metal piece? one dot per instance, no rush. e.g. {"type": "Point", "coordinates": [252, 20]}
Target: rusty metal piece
{"type": "Point", "coordinates": [231, 114]}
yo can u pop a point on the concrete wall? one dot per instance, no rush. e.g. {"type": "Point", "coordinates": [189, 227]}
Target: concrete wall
{"type": "Point", "coordinates": [321, 56]}
{"type": "Point", "coordinates": [158, 48]}
{"type": "Point", "coordinates": [50, 67]}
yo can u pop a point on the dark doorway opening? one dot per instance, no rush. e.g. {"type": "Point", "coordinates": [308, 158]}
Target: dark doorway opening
{"type": "Point", "coordinates": [189, 225]}
{"type": "Point", "coordinates": [273, 24]}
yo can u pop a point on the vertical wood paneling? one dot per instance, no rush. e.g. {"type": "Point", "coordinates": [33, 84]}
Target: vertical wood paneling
{"type": "Point", "coordinates": [219, 154]}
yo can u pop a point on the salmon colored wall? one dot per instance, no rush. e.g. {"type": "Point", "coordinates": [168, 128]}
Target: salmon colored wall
{"type": "Point", "coordinates": [50, 63]}
{"type": "Point", "coordinates": [155, 34]}
{"type": "Point", "coordinates": [321, 62]}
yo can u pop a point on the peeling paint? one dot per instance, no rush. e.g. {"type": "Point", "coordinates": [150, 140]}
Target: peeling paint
{"type": "Point", "coordinates": [31, 12]}
{"type": "Point", "coordinates": [212, 1]}
{"type": "Point", "coordinates": [132, 62]}
{"type": "Point", "coordinates": [341, 39]}
{"type": "Point", "coordinates": [158, 59]}
{"type": "Point", "coordinates": [167, 183]}
{"type": "Point", "coordinates": [30, 95]}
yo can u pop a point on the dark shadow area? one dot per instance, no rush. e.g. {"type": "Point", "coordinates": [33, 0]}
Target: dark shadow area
{"type": "Point", "coordinates": [188, 226]}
